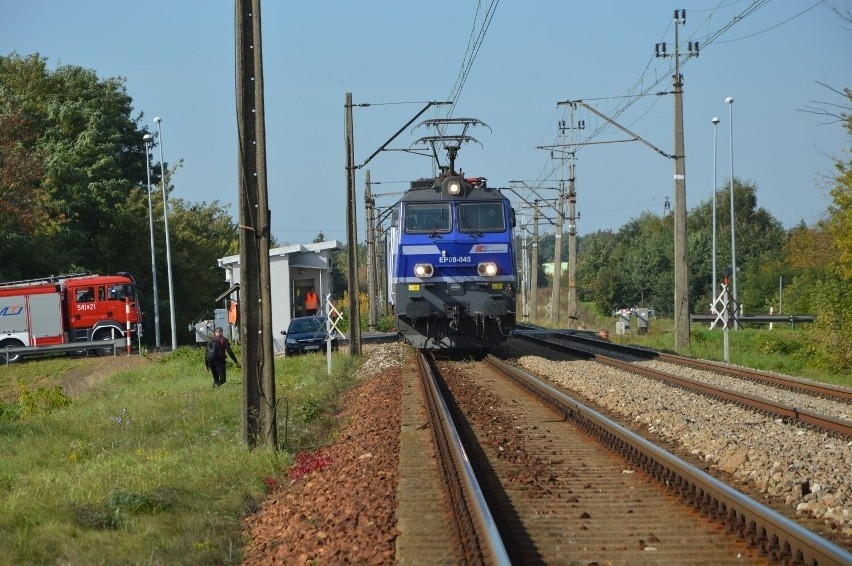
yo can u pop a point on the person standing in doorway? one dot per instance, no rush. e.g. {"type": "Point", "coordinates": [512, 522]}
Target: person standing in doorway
{"type": "Point", "coordinates": [214, 358]}
{"type": "Point", "coordinates": [311, 302]}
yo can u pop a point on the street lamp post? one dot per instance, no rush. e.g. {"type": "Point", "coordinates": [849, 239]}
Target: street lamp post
{"type": "Point", "coordinates": [148, 140]}
{"type": "Point", "coordinates": [168, 246]}
{"type": "Point", "coordinates": [715, 121]}
{"type": "Point", "coordinates": [730, 101]}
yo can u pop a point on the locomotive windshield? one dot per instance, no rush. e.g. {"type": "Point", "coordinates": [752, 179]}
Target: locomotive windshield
{"type": "Point", "coordinates": [481, 217]}
{"type": "Point", "coordinates": [423, 218]}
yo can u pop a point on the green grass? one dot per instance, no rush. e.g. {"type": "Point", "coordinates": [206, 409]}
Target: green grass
{"type": "Point", "coordinates": [782, 349]}
{"type": "Point", "coordinates": [147, 466]}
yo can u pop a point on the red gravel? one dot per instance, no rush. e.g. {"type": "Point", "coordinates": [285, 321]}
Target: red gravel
{"type": "Point", "coordinates": [340, 503]}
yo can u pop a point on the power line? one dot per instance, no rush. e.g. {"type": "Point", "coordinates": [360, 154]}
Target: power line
{"type": "Point", "coordinates": [471, 52]}
{"type": "Point", "coordinates": [629, 96]}
{"type": "Point", "coordinates": [775, 26]}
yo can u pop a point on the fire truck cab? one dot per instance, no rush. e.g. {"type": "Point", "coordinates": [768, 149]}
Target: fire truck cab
{"type": "Point", "coordinates": [67, 309]}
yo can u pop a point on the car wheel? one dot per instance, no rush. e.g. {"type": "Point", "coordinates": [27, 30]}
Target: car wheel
{"type": "Point", "coordinates": [10, 358]}
{"type": "Point", "coordinates": [106, 336]}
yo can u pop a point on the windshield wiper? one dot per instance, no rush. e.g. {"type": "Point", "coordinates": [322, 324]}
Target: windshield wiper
{"type": "Point", "coordinates": [470, 227]}
{"type": "Point", "coordinates": [438, 224]}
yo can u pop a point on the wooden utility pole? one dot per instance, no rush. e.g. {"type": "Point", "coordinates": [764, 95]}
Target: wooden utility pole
{"type": "Point", "coordinates": [370, 211]}
{"type": "Point", "coordinates": [258, 399]}
{"type": "Point", "coordinates": [352, 232]}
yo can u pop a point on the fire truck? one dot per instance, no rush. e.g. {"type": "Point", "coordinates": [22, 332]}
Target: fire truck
{"type": "Point", "coordinates": [56, 312]}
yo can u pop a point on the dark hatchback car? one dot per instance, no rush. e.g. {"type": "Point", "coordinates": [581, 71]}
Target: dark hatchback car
{"type": "Point", "coordinates": [307, 334]}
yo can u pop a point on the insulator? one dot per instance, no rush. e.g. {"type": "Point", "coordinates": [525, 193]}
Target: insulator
{"type": "Point", "coordinates": [683, 16]}
{"type": "Point", "coordinates": [657, 49]}
{"type": "Point", "coordinates": [696, 49]}
{"type": "Point", "coordinates": [664, 49]}
{"type": "Point", "coordinates": [675, 16]}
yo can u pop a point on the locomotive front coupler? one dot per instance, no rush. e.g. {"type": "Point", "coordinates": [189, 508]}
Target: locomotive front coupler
{"type": "Point", "coordinates": [454, 314]}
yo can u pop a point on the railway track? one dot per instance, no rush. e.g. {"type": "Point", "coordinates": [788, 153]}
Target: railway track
{"type": "Point", "coordinates": [553, 497]}
{"type": "Point", "coordinates": [633, 353]}
{"type": "Point", "coordinates": [625, 358]}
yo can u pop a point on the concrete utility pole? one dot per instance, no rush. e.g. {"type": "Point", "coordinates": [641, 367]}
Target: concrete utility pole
{"type": "Point", "coordinates": [525, 272]}
{"type": "Point", "coordinates": [534, 265]}
{"type": "Point", "coordinates": [535, 205]}
{"type": "Point", "coordinates": [370, 209]}
{"type": "Point", "coordinates": [557, 256]}
{"type": "Point", "coordinates": [352, 215]}
{"type": "Point", "coordinates": [681, 290]}
{"type": "Point", "coordinates": [352, 233]}
{"type": "Point", "coordinates": [681, 298]}
{"type": "Point", "coordinates": [258, 399]}
{"type": "Point", "coordinates": [573, 315]}
{"type": "Point", "coordinates": [636, 137]}
{"type": "Point", "coordinates": [381, 265]}
{"type": "Point", "coordinates": [573, 308]}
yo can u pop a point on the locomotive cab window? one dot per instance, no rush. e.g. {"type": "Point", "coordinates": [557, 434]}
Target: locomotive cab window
{"type": "Point", "coordinates": [481, 217]}
{"type": "Point", "coordinates": [422, 218]}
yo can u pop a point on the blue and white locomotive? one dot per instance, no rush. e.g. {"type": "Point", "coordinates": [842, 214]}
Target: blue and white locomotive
{"type": "Point", "coordinates": [452, 264]}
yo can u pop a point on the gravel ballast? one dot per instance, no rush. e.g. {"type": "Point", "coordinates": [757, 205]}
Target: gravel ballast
{"type": "Point", "coordinates": [808, 470]}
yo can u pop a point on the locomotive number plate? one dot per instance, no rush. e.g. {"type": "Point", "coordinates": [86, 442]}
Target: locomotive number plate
{"type": "Point", "coordinates": [414, 287]}
{"type": "Point", "coordinates": [455, 259]}
{"type": "Point", "coordinates": [496, 285]}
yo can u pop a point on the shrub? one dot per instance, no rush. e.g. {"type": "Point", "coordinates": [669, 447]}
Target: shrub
{"type": "Point", "coordinates": [42, 401]}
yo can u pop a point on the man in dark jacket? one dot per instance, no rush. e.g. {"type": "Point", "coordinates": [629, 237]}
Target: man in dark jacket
{"type": "Point", "coordinates": [215, 358]}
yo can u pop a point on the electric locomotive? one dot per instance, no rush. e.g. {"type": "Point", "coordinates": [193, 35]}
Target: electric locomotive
{"type": "Point", "coordinates": [452, 263]}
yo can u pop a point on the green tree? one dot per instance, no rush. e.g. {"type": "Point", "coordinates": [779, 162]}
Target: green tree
{"type": "Point", "coordinates": [820, 257]}
{"type": "Point", "coordinates": [595, 272]}
{"type": "Point", "coordinates": [85, 156]}
{"type": "Point", "coordinates": [760, 241]}
{"type": "Point", "coordinates": [73, 190]}
{"type": "Point", "coordinates": [643, 259]}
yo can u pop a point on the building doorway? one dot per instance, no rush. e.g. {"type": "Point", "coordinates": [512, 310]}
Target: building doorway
{"type": "Point", "coordinates": [300, 288]}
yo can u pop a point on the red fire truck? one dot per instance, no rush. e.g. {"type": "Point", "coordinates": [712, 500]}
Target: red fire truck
{"type": "Point", "coordinates": [57, 311]}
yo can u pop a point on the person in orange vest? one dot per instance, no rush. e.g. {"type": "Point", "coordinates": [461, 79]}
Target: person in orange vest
{"type": "Point", "coordinates": [311, 302]}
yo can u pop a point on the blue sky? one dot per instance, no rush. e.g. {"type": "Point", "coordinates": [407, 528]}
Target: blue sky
{"type": "Point", "coordinates": [178, 60]}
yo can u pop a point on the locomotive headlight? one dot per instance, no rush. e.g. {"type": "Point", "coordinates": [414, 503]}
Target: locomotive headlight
{"type": "Point", "coordinates": [487, 269]}
{"type": "Point", "coordinates": [424, 270]}
{"type": "Point", "coordinates": [454, 188]}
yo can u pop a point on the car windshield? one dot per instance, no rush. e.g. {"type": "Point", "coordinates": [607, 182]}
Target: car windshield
{"type": "Point", "coordinates": [307, 325]}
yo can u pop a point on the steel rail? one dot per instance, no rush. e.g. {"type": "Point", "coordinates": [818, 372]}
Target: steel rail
{"type": "Point", "coordinates": [817, 420]}
{"type": "Point", "coordinates": [815, 388]}
{"type": "Point", "coordinates": [779, 538]}
{"type": "Point", "coordinates": [479, 538]}
{"type": "Point", "coordinates": [793, 383]}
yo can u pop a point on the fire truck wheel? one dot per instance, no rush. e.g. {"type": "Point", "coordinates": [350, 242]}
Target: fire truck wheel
{"type": "Point", "coordinates": [12, 358]}
{"type": "Point", "coordinates": [106, 336]}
